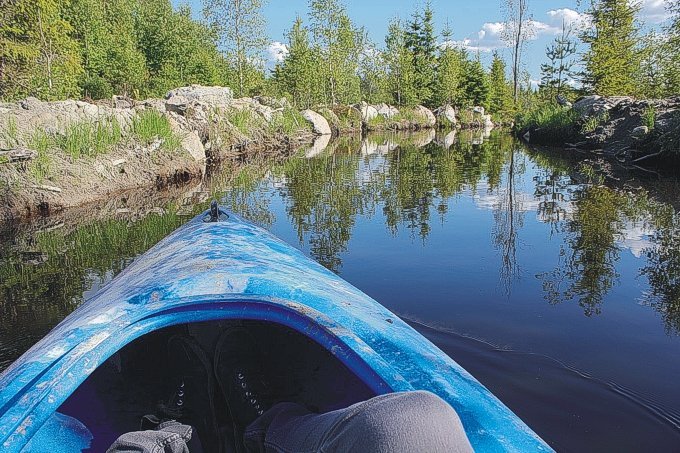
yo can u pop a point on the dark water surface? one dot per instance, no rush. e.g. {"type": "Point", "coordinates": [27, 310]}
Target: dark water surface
{"type": "Point", "coordinates": [556, 284]}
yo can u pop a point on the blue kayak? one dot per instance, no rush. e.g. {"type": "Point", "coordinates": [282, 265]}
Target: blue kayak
{"type": "Point", "coordinates": [330, 344]}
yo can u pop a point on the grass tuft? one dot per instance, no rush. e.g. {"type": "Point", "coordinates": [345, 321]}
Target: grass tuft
{"type": "Point", "coordinates": [90, 138]}
{"type": "Point", "coordinates": [649, 117]}
{"type": "Point", "coordinates": [150, 125]}
{"type": "Point", "coordinates": [41, 166]}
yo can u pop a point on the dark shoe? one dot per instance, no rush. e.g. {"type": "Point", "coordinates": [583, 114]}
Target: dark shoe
{"type": "Point", "coordinates": [192, 401]}
{"type": "Point", "coordinates": [240, 376]}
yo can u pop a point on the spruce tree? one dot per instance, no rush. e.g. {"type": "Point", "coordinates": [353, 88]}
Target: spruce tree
{"type": "Point", "coordinates": [500, 95]}
{"type": "Point", "coordinates": [556, 73]}
{"type": "Point", "coordinates": [612, 60]}
{"type": "Point", "coordinates": [475, 84]}
{"type": "Point", "coordinates": [298, 75]}
{"type": "Point", "coordinates": [422, 43]}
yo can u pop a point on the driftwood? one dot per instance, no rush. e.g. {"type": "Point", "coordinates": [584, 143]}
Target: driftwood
{"type": "Point", "coordinates": [16, 155]}
{"type": "Point", "coordinates": [48, 188]}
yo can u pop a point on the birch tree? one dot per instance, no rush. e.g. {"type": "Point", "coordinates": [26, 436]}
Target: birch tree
{"type": "Point", "coordinates": [241, 30]}
{"type": "Point", "coordinates": [516, 31]}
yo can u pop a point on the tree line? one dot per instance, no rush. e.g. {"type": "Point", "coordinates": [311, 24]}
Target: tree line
{"type": "Point", "coordinates": [55, 49]}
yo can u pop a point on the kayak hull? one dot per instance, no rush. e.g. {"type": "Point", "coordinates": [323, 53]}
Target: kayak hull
{"type": "Point", "coordinates": [231, 269]}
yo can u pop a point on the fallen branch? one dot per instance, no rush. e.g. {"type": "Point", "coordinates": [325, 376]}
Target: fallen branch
{"type": "Point", "coordinates": [648, 156]}
{"type": "Point", "coordinates": [16, 155]}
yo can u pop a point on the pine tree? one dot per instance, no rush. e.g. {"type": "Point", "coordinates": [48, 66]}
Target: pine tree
{"type": "Point", "coordinates": [241, 29]}
{"type": "Point", "coordinates": [500, 94]}
{"type": "Point", "coordinates": [556, 73]}
{"type": "Point", "coordinates": [611, 61]}
{"type": "Point", "coordinates": [448, 78]}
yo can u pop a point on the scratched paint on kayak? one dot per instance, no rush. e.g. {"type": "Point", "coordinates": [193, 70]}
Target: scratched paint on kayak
{"type": "Point", "coordinates": [234, 270]}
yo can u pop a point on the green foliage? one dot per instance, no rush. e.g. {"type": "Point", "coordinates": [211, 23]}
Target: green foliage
{"type": "Point", "coordinates": [289, 122]}
{"type": "Point", "coordinates": [150, 125]}
{"type": "Point", "coordinates": [447, 88]}
{"type": "Point", "coordinates": [339, 45]}
{"type": "Point", "coordinates": [612, 60]}
{"type": "Point", "coordinates": [548, 123]}
{"type": "Point", "coordinates": [299, 74]}
{"type": "Point", "coordinates": [421, 41]}
{"type": "Point", "coordinates": [400, 66]}
{"type": "Point", "coordinates": [38, 56]}
{"type": "Point", "coordinates": [475, 84]}
{"type": "Point", "coordinates": [10, 134]}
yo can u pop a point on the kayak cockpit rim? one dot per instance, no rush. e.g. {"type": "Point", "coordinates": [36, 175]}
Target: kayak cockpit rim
{"type": "Point", "coordinates": [78, 364]}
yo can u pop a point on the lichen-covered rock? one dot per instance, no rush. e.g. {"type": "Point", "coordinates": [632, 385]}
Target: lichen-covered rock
{"type": "Point", "coordinates": [368, 112]}
{"type": "Point", "coordinates": [215, 95]}
{"type": "Point", "coordinates": [386, 111]}
{"type": "Point", "coordinates": [318, 122]}
{"type": "Point", "coordinates": [429, 119]}
{"type": "Point", "coordinates": [446, 115]}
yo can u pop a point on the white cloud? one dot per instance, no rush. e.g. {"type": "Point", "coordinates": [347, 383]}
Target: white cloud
{"type": "Point", "coordinates": [654, 11]}
{"type": "Point", "coordinates": [277, 51]}
{"type": "Point", "coordinates": [569, 17]}
{"type": "Point", "coordinates": [490, 36]}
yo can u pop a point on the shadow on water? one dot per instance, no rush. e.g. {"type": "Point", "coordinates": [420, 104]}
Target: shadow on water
{"type": "Point", "coordinates": [469, 231]}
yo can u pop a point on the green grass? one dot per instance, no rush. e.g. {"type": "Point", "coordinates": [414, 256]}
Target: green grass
{"type": "Point", "coordinates": [89, 138]}
{"type": "Point", "coordinates": [11, 135]}
{"type": "Point", "coordinates": [548, 123]}
{"type": "Point", "coordinates": [243, 120]}
{"type": "Point", "coordinates": [151, 125]}
{"type": "Point", "coordinates": [593, 122]}
{"type": "Point", "coordinates": [41, 166]}
{"type": "Point", "coordinates": [649, 117]}
{"type": "Point", "coordinates": [290, 122]}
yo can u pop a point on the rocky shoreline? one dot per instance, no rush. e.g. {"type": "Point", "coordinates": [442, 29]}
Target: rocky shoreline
{"type": "Point", "coordinates": [634, 132]}
{"type": "Point", "coordinates": [58, 155]}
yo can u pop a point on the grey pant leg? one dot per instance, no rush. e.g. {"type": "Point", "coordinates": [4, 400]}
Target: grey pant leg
{"type": "Point", "coordinates": [395, 423]}
{"type": "Point", "coordinates": [169, 437]}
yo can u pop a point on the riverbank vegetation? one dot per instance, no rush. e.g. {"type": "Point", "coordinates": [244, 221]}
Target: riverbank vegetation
{"type": "Point", "coordinates": [142, 48]}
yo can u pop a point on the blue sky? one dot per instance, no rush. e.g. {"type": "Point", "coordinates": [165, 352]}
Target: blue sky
{"type": "Point", "coordinates": [476, 24]}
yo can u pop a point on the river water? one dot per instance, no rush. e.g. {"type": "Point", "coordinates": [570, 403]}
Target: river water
{"type": "Point", "coordinates": [555, 282]}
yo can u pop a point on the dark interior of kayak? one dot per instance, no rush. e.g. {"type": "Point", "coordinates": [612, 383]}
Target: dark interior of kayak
{"type": "Point", "coordinates": [132, 383]}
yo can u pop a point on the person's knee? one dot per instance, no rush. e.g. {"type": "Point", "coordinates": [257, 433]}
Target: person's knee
{"type": "Point", "coordinates": [407, 422]}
